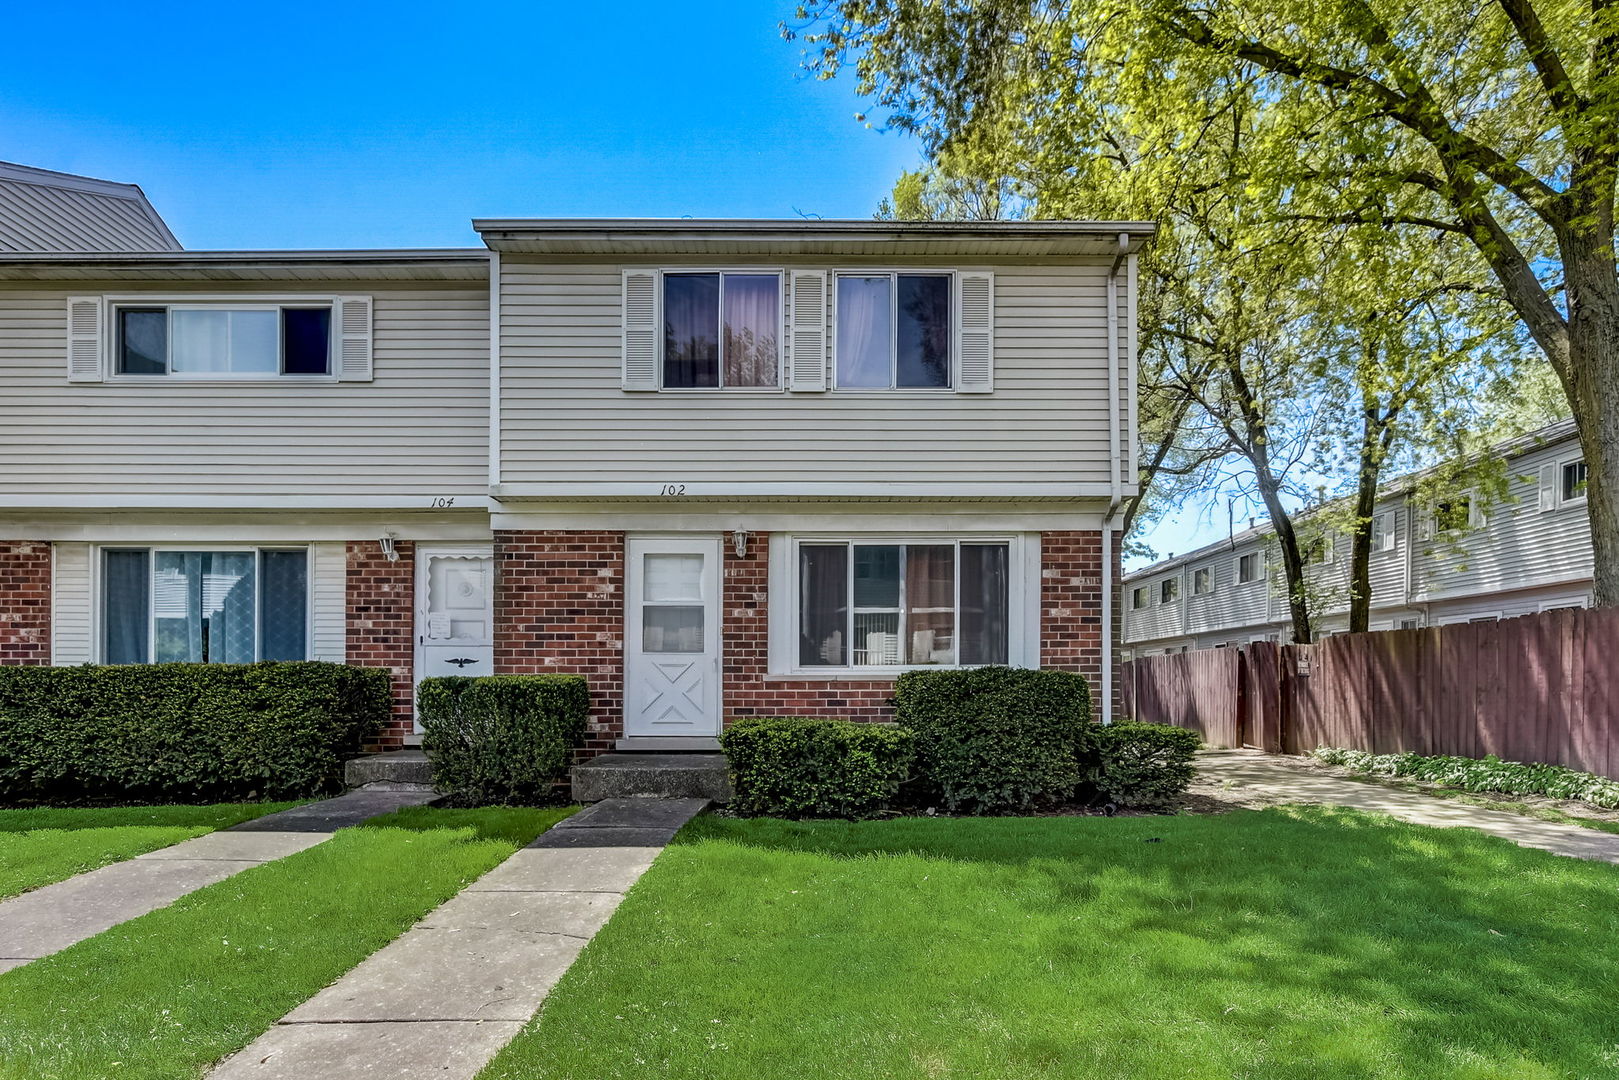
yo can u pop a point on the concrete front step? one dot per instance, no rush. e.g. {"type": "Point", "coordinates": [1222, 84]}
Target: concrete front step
{"type": "Point", "coordinates": [657, 776]}
{"type": "Point", "coordinates": [396, 770]}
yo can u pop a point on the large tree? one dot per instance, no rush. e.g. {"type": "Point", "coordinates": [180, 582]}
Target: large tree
{"type": "Point", "coordinates": [1495, 121]}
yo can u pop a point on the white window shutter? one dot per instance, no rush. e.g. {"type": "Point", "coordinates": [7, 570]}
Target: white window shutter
{"type": "Point", "coordinates": [1548, 487]}
{"type": "Point", "coordinates": [85, 362]}
{"type": "Point", "coordinates": [806, 357]}
{"type": "Point", "coordinates": [354, 338]}
{"type": "Point", "coordinates": [975, 333]}
{"type": "Point", "coordinates": [1425, 528]}
{"type": "Point", "coordinates": [640, 330]}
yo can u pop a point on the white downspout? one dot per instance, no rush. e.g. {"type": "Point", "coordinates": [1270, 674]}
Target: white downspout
{"type": "Point", "coordinates": [1115, 481]}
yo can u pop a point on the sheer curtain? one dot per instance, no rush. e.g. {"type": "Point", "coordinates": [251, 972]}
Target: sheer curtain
{"type": "Point", "coordinates": [823, 604]}
{"type": "Point", "coordinates": [128, 579]}
{"type": "Point", "coordinates": [203, 606]}
{"type": "Point", "coordinates": [930, 602]}
{"type": "Point", "coordinates": [864, 330]}
{"type": "Point", "coordinates": [752, 326]}
{"type": "Point", "coordinates": [691, 318]}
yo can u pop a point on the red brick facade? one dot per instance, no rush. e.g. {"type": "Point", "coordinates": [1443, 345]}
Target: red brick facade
{"type": "Point", "coordinates": [25, 602]}
{"type": "Point", "coordinates": [1071, 606]}
{"type": "Point", "coordinates": [559, 609]}
{"type": "Point", "coordinates": [380, 604]}
{"type": "Point", "coordinates": [749, 689]}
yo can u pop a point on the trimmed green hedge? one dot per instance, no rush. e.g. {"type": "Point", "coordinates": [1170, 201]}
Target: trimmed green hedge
{"type": "Point", "coordinates": [501, 738]}
{"type": "Point", "coordinates": [806, 767]}
{"type": "Point", "coordinates": [1145, 765]}
{"type": "Point", "coordinates": [997, 739]}
{"type": "Point", "coordinates": [1481, 774]}
{"type": "Point", "coordinates": [184, 732]}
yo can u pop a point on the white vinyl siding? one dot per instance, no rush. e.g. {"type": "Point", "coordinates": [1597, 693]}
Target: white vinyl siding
{"type": "Point", "coordinates": [328, 576]}
{"type": "Point", "coordinates": [417, 432]}
{"type": "Point", "coordinates": [565, 419]}
{"type": "Point", "coordinates": [71, 618]}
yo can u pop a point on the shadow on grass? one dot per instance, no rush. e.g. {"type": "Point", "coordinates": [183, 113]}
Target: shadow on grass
{"type": "Point", "coordinates": [515, 824]}
{"type": "Point", "coordinates": [1422, 949]}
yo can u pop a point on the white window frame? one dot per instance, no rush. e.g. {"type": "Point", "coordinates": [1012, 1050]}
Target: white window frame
{"type": "Point", "coordinates": [1562, 466]}
{"type": "Point", "coordinates": [1200, 575]}
{"type": "Point", "coordinates": [112, 354]}
{"type": "Point", "coordinates": [783, 328]}
{"type": "Point", "coordinates": [893, 273]}
{"type": "Point", "coordinates": [1022, 587]}
{"type": "Point", "coordinates": [1145, 593]}
{"type": "Point", "coordinates": [1260, 563]}
{"type": "Point", "coordinates": [98, 598]}
{"type": "Point", "coordinates": [1171, 583]}
{"type": "Point", "coordinates": [1385, 536]}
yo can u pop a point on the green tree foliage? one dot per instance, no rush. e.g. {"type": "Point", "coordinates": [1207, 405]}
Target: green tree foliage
{"type": "Point", "coordinates": [1495, 123]}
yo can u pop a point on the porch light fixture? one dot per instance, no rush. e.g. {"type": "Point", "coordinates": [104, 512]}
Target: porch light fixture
{"type": "Point", "coordinates": [387, 546]}
{"type": "Point", "coordinates": [739, 542]}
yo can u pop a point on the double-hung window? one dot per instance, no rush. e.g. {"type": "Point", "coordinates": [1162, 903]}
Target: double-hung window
{"type": "Point", "coordinates": [935, 603]}
{"type": "Point", "coordinates": [223, 340]}
{"type": "Point", "coordinates": [1202, 581]}
{"type": "Point", "coordinates": [232, 606]}
{"type": "Point", "coordinates": [1250, 567]}
{"type": "Point", "coordinates": [1575, 476]}
{"type": "Point", "coordinates": [894, 331]}
{"type": "Point", "coordinates": [721, 330]}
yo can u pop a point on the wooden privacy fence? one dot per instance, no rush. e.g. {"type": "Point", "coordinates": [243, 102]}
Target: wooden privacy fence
{"type": "Point", "coordinates": [1537, 688]}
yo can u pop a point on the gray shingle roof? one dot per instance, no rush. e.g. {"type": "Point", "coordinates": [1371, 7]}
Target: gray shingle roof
{"type": "Point", "coordinates": [44, 211]}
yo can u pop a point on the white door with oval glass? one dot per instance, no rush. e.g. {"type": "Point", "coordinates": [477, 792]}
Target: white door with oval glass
{"type": "Point", "coordinates": [455, 611]}
{"type": "Point", "coordinates": [672, 637]}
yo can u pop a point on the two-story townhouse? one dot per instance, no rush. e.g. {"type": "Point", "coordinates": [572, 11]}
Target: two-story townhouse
{"type": "Point", "coordinates": [762, 467]}
{"type": "Point", "coordinates": [1466, 558]}
{"type": "Point", "coordinates": [722, 468]}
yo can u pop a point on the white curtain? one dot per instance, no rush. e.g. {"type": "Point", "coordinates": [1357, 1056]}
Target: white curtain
{"type": "Point", "coordinates": [864, 331]}
{"type": "Point", "coordinates": [752, 326]}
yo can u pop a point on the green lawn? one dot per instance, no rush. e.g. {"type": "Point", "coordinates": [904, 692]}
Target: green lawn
{"type": "Point", "coordinates": [1285, 943]}
{"type": "Point", "coordinates": [164, 995]}
{"type": "Point", "coordinates": [38, 847]}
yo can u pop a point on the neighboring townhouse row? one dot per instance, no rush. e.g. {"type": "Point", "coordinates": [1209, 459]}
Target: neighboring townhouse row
{"type": "Point", "coordinates": [722, 468]}
{"type": "Point", "coordinates": [1463, 559]}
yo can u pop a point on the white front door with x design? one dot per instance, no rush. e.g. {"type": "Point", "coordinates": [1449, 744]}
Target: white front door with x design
{"type": "Point", "coordinates": [672, 637]}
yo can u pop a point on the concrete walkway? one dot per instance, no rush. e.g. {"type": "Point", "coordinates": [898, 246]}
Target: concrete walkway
{"type": "Point", "coordinates": [49, 919]}
{"type": "Point", "coordinates": [1283, 782]}
{"type": "Point", "coordinates": [444, 997]}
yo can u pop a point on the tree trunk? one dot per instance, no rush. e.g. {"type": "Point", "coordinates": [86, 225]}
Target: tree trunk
{"type": "Point", "coordinates": [1593, 381]}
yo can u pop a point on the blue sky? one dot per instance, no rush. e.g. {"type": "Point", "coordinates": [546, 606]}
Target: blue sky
{"type": "Point", "coordinates": [364, 124]}
{"type": "Point", "coordinates": [392, 124]}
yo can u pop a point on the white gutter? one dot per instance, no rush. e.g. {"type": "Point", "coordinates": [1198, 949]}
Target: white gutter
{"type": "Point", "coordinates": [494, 371]}
{"type": "Point", "coordinates": [1115, 481]}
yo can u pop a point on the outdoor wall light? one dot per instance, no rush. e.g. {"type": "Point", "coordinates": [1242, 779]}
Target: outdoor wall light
{"type": "Point", "coordinates": [739, 542]}
{"type": "Point", "coordinates": [387, 546]}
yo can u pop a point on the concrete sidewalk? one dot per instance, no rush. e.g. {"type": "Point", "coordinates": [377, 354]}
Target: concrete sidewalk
{"type": "Point", "coordinates": [443, 998]}
{"type": "Point", "coordinates": [1257, 771]}
{"type": "Point", "coordinates": [48, 920]}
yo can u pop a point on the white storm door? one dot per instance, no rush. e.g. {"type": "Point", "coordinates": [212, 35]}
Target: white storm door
{"type": "Point", "coordinates": [455, 611]}
{"type": "Point", "coordinates": [672, 637]}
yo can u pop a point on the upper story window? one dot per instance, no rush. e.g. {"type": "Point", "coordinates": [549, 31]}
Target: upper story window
{"type": "Point", "coordinates": [1574, 478]}
{"type": "Point", "coordinates": [721, 330]}
{"type": "Point", "coordinates": [235, 606]}
{"type": "Point", "coordinates": [1317, 548]}
{"type": "Point", "coordinates": [893, 331]}
{"type": "Point", "coordinates": [1138, 597]}
{"type": "Point", "coordinates": [1169, 590]}
{"type": "Point", "coordinates": [1203, 581]}
{"type": "Point", "coordinates": [1250, 567]}
{"type": "Point", "coordinates": [1383, 534]}
{"type": "Point", "coordinates": [1458, 513]}
{"type": "Point", "coordinates": [215, 341]}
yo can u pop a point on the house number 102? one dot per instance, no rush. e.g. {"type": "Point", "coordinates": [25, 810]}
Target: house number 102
{"type": "Point", "coordinates": [673, 489]}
